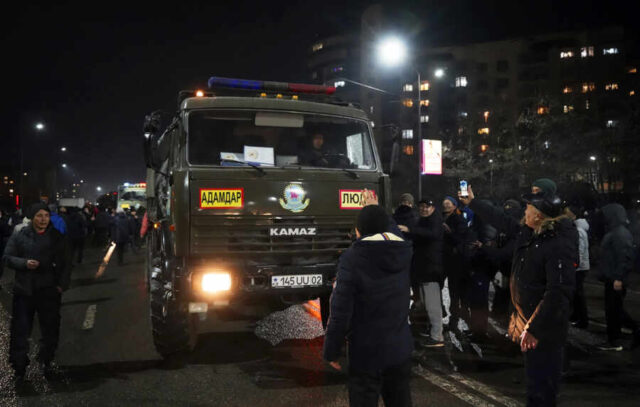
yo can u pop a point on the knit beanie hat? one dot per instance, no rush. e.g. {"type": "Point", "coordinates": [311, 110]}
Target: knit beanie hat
{"type": "Point", "coordinates": [371, 220]}
{"type": "Point", "coordinates": [35, 208]}
{"type": "Point", "coordinates": [546, 185]}
{"type": "Point", "coordinates": [407, 197]}
{"type": "Point", "coordinates": [452, 199]}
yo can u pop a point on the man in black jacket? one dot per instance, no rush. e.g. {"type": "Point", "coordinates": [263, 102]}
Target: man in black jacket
{"type": "Point", "coordinates": [38, 255]}
{"type": "Point", "coordinates": [542, 286]}
{"type": "Point", "coordinates": [427, 237]}
{"type": "Point", "coordinates": [616, 262]}
{"type": "Point", "coordinates": [370, 307]}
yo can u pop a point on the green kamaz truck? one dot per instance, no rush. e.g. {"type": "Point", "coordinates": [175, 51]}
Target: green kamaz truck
{"type": "Point", "coordinates": [252, 192]}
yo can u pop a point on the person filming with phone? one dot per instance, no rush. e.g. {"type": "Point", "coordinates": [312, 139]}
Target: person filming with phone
{"type": "Point", "coordinates": [542, 285]}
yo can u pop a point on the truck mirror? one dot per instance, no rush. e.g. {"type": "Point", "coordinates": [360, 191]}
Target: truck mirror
{"type": "Point", "coordinates": [151, 129]}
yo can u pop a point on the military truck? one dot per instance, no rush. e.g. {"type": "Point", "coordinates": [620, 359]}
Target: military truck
{"type": "Point", "coordinates": [252, 192]}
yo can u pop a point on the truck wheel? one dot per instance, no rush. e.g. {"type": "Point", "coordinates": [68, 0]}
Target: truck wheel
{"type": "Point", "coordinates": [174, 328]}
{"type": "Point", "coordinates": [324, 310]}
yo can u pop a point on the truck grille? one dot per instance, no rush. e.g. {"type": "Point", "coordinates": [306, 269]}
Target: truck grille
{"type": "Point", "coordinates": [251, 237]}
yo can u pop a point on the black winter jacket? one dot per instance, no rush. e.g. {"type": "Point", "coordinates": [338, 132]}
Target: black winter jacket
{"type": "Point", "coordinates": [542, 275]}
{"type": "Point", "coordinates": [121, 229]}
{"type": "Point", "coordinates": [49, 249]}
{"type": "Point", "coordinates": [405, 215]}
{"type": "Point", "coordinates": [370, 304]}
{"type": "Point", "coordinates": [427, 236]}
{"type": "Point", "coordinates": [617, 252]}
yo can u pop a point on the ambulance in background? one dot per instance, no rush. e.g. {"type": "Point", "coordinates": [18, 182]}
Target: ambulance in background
{"type": "Point", "coordinates": [132, 196]}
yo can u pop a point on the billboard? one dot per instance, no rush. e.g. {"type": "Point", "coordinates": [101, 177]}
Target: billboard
{"type": "Point", "coordinates": [431, 160]}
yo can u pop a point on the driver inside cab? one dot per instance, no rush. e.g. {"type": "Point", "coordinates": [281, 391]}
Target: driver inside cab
{"type": "Point", "coordinates": [315, 153]}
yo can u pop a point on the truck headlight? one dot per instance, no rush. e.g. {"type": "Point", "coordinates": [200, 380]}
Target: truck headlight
{"type": "Point", "coordinates": [216, 282]}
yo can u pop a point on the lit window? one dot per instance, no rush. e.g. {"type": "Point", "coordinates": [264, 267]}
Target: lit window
{"type": "Point", "coordinates": [408, 87]}
{"type": "Point", "coordinates": [463, 114]}
{"type": "Point", "coordinates": [567, 89]}
{"type": "Point", "coordinates": [339, 84]}
{"type": "Point", "coordinates": [408, 150]}
{"type": "Point", "coordinates": [484, 130]}
{"type": "Point", "coordinates": [424, 102]}
{"type": "Point", "coordinates": [371, 109]}
{"type": "Point", "coordinates": [567, 108]}
{"type": "Point", "coordinates": [484, 148]}
{"type": "Point", "coordinates": [543, 109]}
{"type": "Point", "coordinates": [407, 134]}
{"type": "Point", "coordinates": [586, 52]}
{"type": "Point", "coordinates": [566, 54]}
{"type": "Point", "coordinates": [611, 86]}
{"type": "Point", "coordinates": [588, 87]}
{"type": "Point", "coordinates": [461, 82]}
{"type": "Point", "coordinates": [317, 47]}
{"type": "Point", "coordinates": [424, 119]}
{"type": "Point", "coordinates": [11, 190]}
{"type": "Point", "coordinates": [587, 105]}
{"type": "Point", "coordinates": [632, 93]}
{"type": "Point", "coordinates": [612, 123]}
{"type": "Point", "coordinates": [424, 86]}
{"type": "Point", "coordinates": [610, 51]}
{"type": "Point", "coordinates": [407, 102]}
{"type": "Point", "coordinates": [633, 70]}
{"type": "Point", "coordinates": [486, 116]}
{"type": "Point", "coordinates": [547, 144]}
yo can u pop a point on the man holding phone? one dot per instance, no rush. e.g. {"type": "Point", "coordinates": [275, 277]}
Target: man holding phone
{"type": "Point", "coordinates": [38, 255]}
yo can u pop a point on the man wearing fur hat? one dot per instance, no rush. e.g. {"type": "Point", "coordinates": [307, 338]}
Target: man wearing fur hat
{"type": "Point", "coordinates": [42, 273]}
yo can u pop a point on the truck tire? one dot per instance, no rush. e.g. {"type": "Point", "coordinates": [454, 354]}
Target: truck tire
{"type": "Point", "coordinates": [174, 328]}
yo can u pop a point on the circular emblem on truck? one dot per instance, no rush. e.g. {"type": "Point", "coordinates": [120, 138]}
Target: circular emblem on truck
{"type": "Point", "coordinates": [294, 200]}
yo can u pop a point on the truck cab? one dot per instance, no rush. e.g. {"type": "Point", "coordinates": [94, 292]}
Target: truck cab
{"type": "Point", "coordinates": [252, 188]}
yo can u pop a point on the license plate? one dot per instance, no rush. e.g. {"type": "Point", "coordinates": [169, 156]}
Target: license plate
{"type": "Point", "coordinates": [296, 280]}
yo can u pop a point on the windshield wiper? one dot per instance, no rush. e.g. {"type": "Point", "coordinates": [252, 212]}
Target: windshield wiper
{"type": "Point", "coordinates": [256, 167]}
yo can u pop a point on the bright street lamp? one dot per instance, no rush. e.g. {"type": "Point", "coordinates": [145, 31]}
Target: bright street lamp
{"type": "Point", "coordinates": [63, 149]}
{"type": "Point", "coordinates": [439, 73]}
{"type": "Point", "coordinates": [39, 126]}
{"type": "Point", "coordinates": [592, 158]}
{"type": "Point", "coordinates": [64, 165]}
{"type": "Point", "coordinates": [98, 189]}
{"type": "Point", "coordinates": [392, 52]}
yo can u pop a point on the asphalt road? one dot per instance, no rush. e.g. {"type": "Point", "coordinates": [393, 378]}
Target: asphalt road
{"type": "Point", "coordinates": [106, 357]}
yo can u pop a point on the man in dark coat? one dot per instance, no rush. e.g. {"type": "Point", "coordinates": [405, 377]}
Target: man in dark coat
{"type": "Point", "coordinates": [370, 307]}
{"type": "Point", "coordinates": [405, 214]}
{"type": "Point", "coordinates": [617, 254]}
{"type": "Point", "coordinates": [101, 225]}
{"type": "Point", "coordinates": [37, 253]}
{"type": "Point", "coordinates": [427, 236]}
{"type": "Point", "coordinates": [77, 231]}
{"type": "Point", "coordinates": [456, 265]}
{"type": "Point", "coordinates": [542, 286]}
{"type": "Point", "coordinates": [120, 232]}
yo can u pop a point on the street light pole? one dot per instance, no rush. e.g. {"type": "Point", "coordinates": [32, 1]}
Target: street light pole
{"type": "Point", "coordinates": [419, 149]}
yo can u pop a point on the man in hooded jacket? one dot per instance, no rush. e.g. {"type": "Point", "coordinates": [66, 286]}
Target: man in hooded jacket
{"type": "Point", "coordinates": [37, 253]}
{"type": "Point", "coordinates": [615, 264]}
{"type": "Point", "coordinates": [370, 307]}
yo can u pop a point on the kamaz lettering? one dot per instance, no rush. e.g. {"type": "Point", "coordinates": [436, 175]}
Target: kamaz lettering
{"type": "Point", "coordinates": [292, 232]}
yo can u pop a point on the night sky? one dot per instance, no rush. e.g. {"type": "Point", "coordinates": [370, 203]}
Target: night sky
{"type": "Point", "coordinates": [92, 70]}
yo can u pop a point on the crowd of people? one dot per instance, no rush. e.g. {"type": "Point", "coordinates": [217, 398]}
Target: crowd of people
{"type": "Point", "coordinates": [535, 251]}
{"type": "Point", "coordinates": [42, 245]}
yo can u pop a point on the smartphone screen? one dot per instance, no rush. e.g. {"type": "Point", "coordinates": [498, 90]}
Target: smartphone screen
{"type": "Point", "coordinates": [463, 188]}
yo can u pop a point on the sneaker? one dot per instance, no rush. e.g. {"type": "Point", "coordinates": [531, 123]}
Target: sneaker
{"type": "Point", "coordinates": [609, 346]}
{"type": "Point", "coordinates": [431, 343]}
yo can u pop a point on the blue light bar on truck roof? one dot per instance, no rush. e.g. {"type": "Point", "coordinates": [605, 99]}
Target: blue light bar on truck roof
{"type": "Point", "coordinates": [215, 82]}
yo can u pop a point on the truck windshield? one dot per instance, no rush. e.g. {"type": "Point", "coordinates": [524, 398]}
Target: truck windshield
{"type": "Point", "coordinates": [229, 138]}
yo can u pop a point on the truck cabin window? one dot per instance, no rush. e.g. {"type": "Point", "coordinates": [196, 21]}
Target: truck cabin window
{"type": "Point", "coordinates": [232, 138]}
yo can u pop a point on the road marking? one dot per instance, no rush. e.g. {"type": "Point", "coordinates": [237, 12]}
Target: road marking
{"type": "Point", "coordinates": [451, 388]}
{"type": "Point", "coordinates": [89, 317]}
{"type": "Point", "coordinates": [485, 390]}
